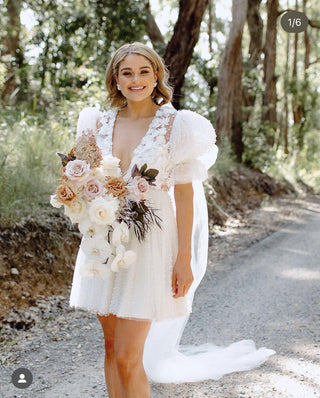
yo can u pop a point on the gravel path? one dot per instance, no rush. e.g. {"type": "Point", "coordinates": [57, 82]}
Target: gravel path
{"type": "Point", "coordinates": [268, 292]}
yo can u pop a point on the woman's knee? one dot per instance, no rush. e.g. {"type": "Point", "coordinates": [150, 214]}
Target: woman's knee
{"type": "Point", "coordinates": [128, 359]}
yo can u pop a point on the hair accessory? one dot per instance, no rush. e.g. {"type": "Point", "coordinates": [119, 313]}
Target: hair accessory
{"type": "Point", "coordinates": [118, 87]}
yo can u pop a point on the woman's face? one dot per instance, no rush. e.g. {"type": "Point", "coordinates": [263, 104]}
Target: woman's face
{"type": "Point", "coordinates": [136, 77]}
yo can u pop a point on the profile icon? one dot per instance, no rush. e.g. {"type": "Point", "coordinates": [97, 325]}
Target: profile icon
{"type": "Point", "coordinates": [21, 378]}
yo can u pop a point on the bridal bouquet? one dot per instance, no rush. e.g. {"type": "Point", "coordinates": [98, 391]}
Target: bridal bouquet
{"type": "Point", "coordinates": [104, 205]}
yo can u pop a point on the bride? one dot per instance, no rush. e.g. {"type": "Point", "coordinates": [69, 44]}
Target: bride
{"type": "Point", "coordinates": [143, 308]}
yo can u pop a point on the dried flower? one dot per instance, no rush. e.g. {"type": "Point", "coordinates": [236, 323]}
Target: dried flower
{"type": "Point", "coordinates": [88, 150]}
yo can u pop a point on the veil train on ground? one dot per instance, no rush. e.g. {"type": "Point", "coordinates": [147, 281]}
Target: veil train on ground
{"type": "Point", "coordinates": [165, 360]}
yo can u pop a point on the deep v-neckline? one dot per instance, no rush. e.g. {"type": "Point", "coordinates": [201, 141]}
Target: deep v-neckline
{"type": "Point", "coordinates": [140, 142]}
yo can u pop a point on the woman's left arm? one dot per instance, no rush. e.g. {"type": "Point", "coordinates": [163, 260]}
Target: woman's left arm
{"type": "Point", "coordinates": [182, 276]}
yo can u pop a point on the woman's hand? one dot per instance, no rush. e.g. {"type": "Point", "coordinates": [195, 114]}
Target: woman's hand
{"type": "Point", "coordinates": [182, 276]}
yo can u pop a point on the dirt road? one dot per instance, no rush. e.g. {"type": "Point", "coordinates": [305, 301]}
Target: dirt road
{"type": "Point", "coordinates": [269, 292]}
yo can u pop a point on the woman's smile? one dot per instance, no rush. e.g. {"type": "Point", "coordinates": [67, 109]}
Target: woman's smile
{"type": "Point", "coordinates": [137, 88]}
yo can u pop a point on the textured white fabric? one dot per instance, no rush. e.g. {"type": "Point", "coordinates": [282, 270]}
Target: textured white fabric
{"type": "Point", "coordinates": [87, 121]}
{"type": "Point", "coordinates": [193, 147]}
{"type": "Point", "coordinates": [143, 291]}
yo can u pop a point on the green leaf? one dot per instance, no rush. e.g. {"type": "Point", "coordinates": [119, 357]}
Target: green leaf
{"type": "Point", "coordinates": [143, 168]}
{"type": "Point", "coordinates": [152, 173]}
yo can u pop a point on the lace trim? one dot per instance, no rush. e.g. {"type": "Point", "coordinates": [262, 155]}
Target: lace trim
{"type": "Point", "coordinates": [156, 138]}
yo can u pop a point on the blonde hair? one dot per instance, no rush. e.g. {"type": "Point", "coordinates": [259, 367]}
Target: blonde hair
{"type": "Point", "coordinates": [161, 94]}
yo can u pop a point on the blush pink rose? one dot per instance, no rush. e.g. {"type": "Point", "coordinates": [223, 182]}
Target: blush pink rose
{"type": "Point", "coordinates": [78, 171]}
{"type": "Point", "coordinates": [93, 189]}
{"type": "Point", "coordinates": [140, 187]}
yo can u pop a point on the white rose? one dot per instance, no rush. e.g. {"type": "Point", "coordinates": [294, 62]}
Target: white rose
{"type": "Point", "coordinates": [103, 211]}
{"type": "Point", "coordinates": [98, 173]}
{"type": "Point", "coordinates": [123, 258]}
{"type": "Point", "coordinates": [55, 202]}
{"type": "Point", "coordinates": [110, 166]}
{"type": "Point", "coordinates": [94, 269]}
{"type": "Point", "coordinates": [120, 233]}
{"type": "Point", "coordinates": [96, 249]}
{"type": "Point", "coordinates": [76, 210]}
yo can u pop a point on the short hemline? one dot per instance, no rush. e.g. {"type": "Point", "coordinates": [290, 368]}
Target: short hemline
{"type": "Point", "coordinates": [133, 318]}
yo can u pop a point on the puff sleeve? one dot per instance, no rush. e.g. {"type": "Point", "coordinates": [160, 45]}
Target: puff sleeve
{"type": "Point", "coordinates": [88, 121]}
{"type": "Point", "coordinates": [193, 149]}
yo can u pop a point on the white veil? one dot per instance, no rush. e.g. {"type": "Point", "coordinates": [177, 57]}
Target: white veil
{"type": "Point", "coordinates": [165, 361]}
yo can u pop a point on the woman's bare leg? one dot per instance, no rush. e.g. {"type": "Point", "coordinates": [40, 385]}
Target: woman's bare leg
{"type": "Point", "coordinates": [113, 382]}
{"type": "Point", "coordinates": [130, 337]}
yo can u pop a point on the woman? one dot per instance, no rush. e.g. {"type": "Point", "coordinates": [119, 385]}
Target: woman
{"type": "Point", "coordinates": [142, 127]}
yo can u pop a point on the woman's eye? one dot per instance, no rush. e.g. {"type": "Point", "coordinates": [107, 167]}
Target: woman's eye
{"type": "Point", "coordinates": [144, 71]}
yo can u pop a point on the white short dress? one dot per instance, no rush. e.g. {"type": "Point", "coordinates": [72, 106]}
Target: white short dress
{"type": "Point", "coordinates": [181, 145]}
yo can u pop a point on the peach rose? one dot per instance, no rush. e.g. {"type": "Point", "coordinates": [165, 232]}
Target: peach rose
{"type": "Point", "coordinates": [64, 193]}
{"type": "Point", "coordinates": [116, 186]}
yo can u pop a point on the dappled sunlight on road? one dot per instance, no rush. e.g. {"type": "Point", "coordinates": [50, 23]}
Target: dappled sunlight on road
{"type": "Point", "coordinates": [291, 387]}
{"type": "Point", "coordinates": [299, 378]}
{"type": "Point", "coordinates": [302, 368]}
{"type": "Point", "coordinates": [300, 274]}
{"type": "Point", "coordinates": [297, 251]}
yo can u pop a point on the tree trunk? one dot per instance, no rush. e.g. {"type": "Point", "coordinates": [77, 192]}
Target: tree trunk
{"type": "Point", "coordinates": [307, 46]}
{"type": "Point", "coordinates": [269, 113]}
{"type": "Point", "coordinates": [296, 108]}
{"type": "Point", "coordinates": [286, 107]}
{"type": "Point", "coordinates": [11, 47]}
{"type": "Point", "coordinates": [179, 51]}
{"type": "Point", "coordinates": [255, 26]}
{"type": "Point", "coordinates": [211, 12]}
{"type": "Point", "coordinates": [297, 96]}
{"type": "Point", "coordinates": [236, 135]}
{"type": "Point", "coordinates": [227, 79]}
{"type": "Point", "coordinates": [153, 31]}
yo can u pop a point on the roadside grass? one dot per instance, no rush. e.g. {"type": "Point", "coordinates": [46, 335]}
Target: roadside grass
{"type": "Point", "coordinates": [29, 167]}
